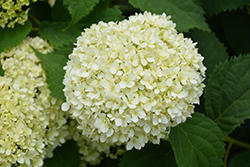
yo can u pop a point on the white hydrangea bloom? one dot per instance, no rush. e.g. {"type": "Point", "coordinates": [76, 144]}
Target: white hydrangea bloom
{"type": "Point", "coordinates": [32, 122]}
{"type": "Point", "coordinates": [92, 152]}
{"type": "Point", "coordinates": [130, 82]}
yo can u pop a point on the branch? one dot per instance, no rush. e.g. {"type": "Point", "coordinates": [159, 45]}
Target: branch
{"type": "Point", "coordinates": [236, 142]}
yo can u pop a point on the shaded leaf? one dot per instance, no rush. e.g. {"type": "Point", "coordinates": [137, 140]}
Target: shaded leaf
{"type": "Point", "coordinates": [65, 156]}
{"type": "Point", "coordinates": [102, 12]}
{"type": "Point", "coordinates": [1, 70]}
{"type": "Point", "coordinates": [228, 93]}
{"type": "Point", "coordinates": [58, 38]}
{"type": "Point", "coordinates": [242, 133]}
{"type": "Point", "coordinates": [10, 37]}
{"type": "Point", "coordinates": [151, 155]}
{"type": "Point", "coordinates": [210, 48]}
{"type": "Point", "coordinates": [59, 12]}
{"type": "Point", "coordinates": [107, 162]}
{"type": "Point", "coordinates": [214, 6]}
{"type": "Point", "coordinates": [186, 14]}
{"type": "Point", "coordinates": [236, 26]}
{"type": "Point", "coordinates": [53, 65]}
{"type": "Point", "coordinates": [40, 10]}
{"type": "Point", "coordinates": [240, 160]}
{"type": "Point", "coordinates": [197, 142]}
{"type": "Point", "coordinates": [65, 50]}
{"type": "Point", "coordinates": [79, 9]}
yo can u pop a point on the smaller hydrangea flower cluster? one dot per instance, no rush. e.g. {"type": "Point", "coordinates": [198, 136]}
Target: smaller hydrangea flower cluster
{"type": "Point", "coordinates": [32, 122]}
{"type": "Point", "coordinates": [130, 82]}
{"type": "Point", "coordinates": [57, 131]}
{"type": "Point", "coordinates": [92, 152]}
{"type": "Point", "coordinates": [13, 11]}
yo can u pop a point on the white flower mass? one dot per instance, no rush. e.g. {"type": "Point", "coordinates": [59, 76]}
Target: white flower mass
{"type": "Point", "coordinates": [130, 82]}
{"type": "Point", "coordinates": [32, 122]}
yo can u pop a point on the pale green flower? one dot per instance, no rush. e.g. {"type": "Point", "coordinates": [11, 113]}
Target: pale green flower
{"type": "Point", "coordinates": [12, 12]}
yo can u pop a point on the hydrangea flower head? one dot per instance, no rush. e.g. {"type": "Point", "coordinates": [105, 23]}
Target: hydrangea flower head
{"type": "Point", "coordinates": [32, 122]}
{"type": "Point", "coordinates": [13, 12]}
{"type": "Point", "coordinates": [130, 82]}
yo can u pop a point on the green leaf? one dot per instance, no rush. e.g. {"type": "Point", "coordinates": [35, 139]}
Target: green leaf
{"type": "Point", "coordinates": [210, 47]}
{"type": "Point", "coordinates": [65, 50]}
{"type": "Point", "coordinates": [228, 93]}
{"type": "Point", "coordinates": [65, 156]}
{"type": "Point", "coordinates": [58, 38]}
{"type": "Point", "coordinates": [236, 26]}
{"type": "Point", "coordinates": [214, 6]}
{"type": "Point", "coordinates": [1, 70]}
{"type": "Point", "coordinates": [150, 156]}
{"type": "Point", "coordinates": [79, 9]}
{"type": "Point", "coordinates": [53, 65]}
{"type": "Point", "coordinates": [240, 160]}
{"type": "Point", "coordinates": [10, 37]}
{"type": "Point", "coordinates": [59, 13]}
{"type": "Point", "coordinates": [185, 13]}
{"type": "Point", "coordinates": [102, 12]}
{"type": "Point", "coordinates": [197, 142]}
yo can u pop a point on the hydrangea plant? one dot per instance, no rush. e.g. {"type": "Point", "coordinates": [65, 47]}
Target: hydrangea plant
{"type": "Point", "coordinates": [135, 83]}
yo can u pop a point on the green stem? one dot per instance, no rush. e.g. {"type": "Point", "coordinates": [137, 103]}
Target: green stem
{"type": "Point", "coordinates": [227, 153]}
{"type": "Point", "coordinates": [35, 20]}
{"type": "Point", "coordinates": [236, 142]}
{"type": "Point", "coordinates": [35, 29]}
